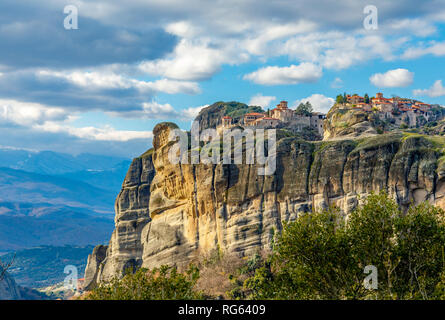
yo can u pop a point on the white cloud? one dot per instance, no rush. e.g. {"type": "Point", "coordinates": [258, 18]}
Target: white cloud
{"type": "Point", "coordinates": [57, 120]}
{"type": "Point", "coordinates": [182, 29]}
{"type": "Point", "coordinates": [318, 101]}
{"type": "Point", "coordinates": [237, 16]}
{"type": "Point", "coordinates": [392, 78]}
{"type": "Point", "coordinates": [90, 80]}
{"type": "Point", "coordinates": [416, 26]}
{"type": "Point", "coordinates": [262, 101]}
{"type": "Point", "coordinates": [337, 83]}
{"type": "Point", "coordinates": [436, 48]}
{"type": "Point", "coordinates": [233, 41]}
{"type": "Point", "coordinates": [436, 90]}
{"type": "Point", "coordinates": [263, 42]}
{"type": "Point", "coordinates": [336, 49]}
{"type": "Point", "coordinates": [27, 114]}
{"type": "Point", "coordinates": [303, 73]}
{"type": "Point", "coordinates": [173, 86]}
{"type": "Point", "coordinates": [192, 112]}
{"type": "Point", "coordinates": [194, 60]}
{"type": "Point", "coordinates": [92, 133]}
{"type": "Point", "coordinates": [156, 110]}
{"type": "Point", "coordinates": [108, 80]}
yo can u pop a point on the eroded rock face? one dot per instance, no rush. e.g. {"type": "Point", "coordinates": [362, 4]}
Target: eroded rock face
{"type": "Point", "coordinates": [347, 123]}
{"type": "Point", "coordinates": [169, 214]}
{"type": "Point", "coordinates": [126, 245]}
{"type": "Point", "coordinates": [94, 264]}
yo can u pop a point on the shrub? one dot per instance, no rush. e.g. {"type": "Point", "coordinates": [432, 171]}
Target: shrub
{"type": "Point", "coordinates": [322, 255]}
{"type": "Point", "coordinates": [215, 273]}
{"type": "Point", "coordinates": [165, 283]}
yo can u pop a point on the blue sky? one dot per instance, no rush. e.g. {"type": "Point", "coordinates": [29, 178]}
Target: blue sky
{"type": "Point", "coordinates": [102, 88]}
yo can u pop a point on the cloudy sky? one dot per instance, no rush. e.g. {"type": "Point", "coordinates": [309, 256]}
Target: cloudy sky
{"type": "Point", "coordinates": [102, 87]}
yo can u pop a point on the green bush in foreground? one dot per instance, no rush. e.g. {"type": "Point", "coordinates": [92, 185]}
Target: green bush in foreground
{"type": "Point", "coordinates": [164, 283]}
{"type": "Point", "coordinates": [322, 255]}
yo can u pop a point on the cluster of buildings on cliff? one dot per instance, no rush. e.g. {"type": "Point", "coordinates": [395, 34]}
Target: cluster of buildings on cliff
{"type": "Point", "coordinates": [398, 110]}
{"type": "Point", "coordinates": [279, 117]}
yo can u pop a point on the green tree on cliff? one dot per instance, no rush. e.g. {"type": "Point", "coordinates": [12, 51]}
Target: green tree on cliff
{"type": "Point", "coordinates": [340, 99]}
{"type": "Point", "coordinates": [304, 109]}
{"type": "Point", "coordinates": [366, 97]}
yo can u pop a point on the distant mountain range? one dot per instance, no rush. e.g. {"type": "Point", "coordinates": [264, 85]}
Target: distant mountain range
{"type": "Point", "coordinates": [101, 171]}
{"type": "Point", "coordinates": [44, 266]}
{"type": "Point", "coordinates": [50, 198]}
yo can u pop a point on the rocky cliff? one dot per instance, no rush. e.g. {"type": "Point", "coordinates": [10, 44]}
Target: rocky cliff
{"type": "Point", "coordinates": [342, 122]}
{"type": "Point", "coordinates": [170, 214]}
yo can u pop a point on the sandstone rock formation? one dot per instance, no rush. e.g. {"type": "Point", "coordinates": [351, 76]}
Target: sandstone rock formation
{"type": "Point", "coordinates": [169, 214]}
{"type": "Point", "coordinates": [348, 123]}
